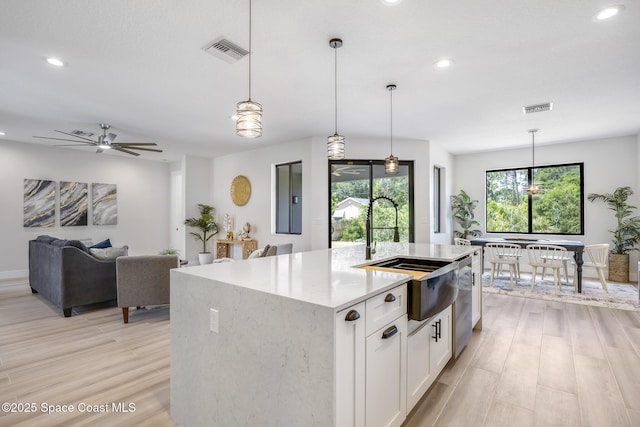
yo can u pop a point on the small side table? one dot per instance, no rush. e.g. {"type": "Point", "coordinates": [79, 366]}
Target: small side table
{"type": "Point", "coordinates": [223, 247]}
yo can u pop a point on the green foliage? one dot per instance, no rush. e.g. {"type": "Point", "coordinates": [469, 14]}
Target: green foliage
{"type": "Point", "coordinates": [556, 211]}
{"type": "Point", "coordinates": [627, 233]}
{"type": "Point", "coordinates": [462, 207]}
{"type": "Point", "coordinates": [206, 224]}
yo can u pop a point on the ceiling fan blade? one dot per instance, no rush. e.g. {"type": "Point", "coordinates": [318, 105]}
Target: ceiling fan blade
{"type": "Point", "coordinates": [109, 138]}
{"type": "Point", "coordinates": [63, 139]}
{"type": "Point", "coordinates": [137, 148]}
{"type": "Point", "coordinates": [99, 150]}
{"type": "Point", "coordinates": [124, 144]}
{"type": "Point", "coordinates": [125, 151]}
{"type": "Point", "coordinates": [74, 145]}
{"type": "Point", "coordinates": [75, 136]}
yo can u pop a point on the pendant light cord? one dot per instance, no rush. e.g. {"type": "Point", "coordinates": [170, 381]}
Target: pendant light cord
{"type": "Point", "coordinates": [391, 119]}
{"type": "Point", "coordinates": [250, 51]}
{"type": "Point", "coordinates": [335, 88]}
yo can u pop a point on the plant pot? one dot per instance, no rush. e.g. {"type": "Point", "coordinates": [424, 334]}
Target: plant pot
{"type": "Point", "coordinates": [205, 258]}
{"type": "Point", "coordinates": [619, 267]}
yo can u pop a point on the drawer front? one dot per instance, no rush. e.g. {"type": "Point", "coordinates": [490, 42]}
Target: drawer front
{"type": "Point", "coordinates": [385, 307]}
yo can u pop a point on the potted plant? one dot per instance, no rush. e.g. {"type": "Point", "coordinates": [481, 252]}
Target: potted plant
{"type": "Point", "coordinates": [626, 234]}
{"type": "Point", "coordinates": [462, 207]}
{"type": "Point", "coordinates": [208, 228]}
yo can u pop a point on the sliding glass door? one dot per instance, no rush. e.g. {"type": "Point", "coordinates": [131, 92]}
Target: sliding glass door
{"type": "Point", "coordinates": [352, 185]}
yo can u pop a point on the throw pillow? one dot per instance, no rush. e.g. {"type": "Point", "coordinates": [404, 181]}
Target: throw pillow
{"type": "Point", "coordinates": [45, 239]}
{"type": "Point", "coordinates": [264, 251]}
{"type": "Point", "coordinates": [102, 245]}
{"type": "Point", "coordinates": [109, 253]}
{"type": "Point", "coordinates": [78, 244]}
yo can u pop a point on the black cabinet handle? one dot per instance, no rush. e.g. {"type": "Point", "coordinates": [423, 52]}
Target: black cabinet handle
{"type": "Point", "coordinates": [473, 279]}
{"type": "Point", "coordinates": [352, 315]}
{"type": "Point", "coordinates": [390, 298]}
{"type": "Point", "coordinates": [437, 333]}
{"type": "Point", "coordinates": [389, 332]}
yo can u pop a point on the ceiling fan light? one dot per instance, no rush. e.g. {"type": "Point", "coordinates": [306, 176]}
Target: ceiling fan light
{"type": "Point", "coordinates": [391, 165]}
{"type": "Point", "coordinates": [335, 147]}
{"type": "Point", "coordinates": [249, 122]}
{"type": "Point", "coordinates": [609, 12]}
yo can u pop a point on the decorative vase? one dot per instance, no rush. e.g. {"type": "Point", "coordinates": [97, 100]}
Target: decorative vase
{"type": "Point", "coordinates": [205, 258]}
{"type": "Point", "coordinates": [619, 267]}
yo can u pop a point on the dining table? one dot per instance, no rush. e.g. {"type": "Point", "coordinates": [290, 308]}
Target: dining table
{"type": "Point", "coordinates": [574, 246]}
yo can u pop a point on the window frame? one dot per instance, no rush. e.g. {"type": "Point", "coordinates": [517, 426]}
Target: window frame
{"type": "Point", "coordinates": [530, 198]}
{"type": "Point", "coordinates": [290, 197]}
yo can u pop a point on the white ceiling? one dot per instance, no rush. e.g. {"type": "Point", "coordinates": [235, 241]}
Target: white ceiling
{"type": "Point", "coordinates": [138, 65]}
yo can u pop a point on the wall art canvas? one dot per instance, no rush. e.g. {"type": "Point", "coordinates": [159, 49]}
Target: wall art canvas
{"type": "Point", "coordinates": [39, 203]}
{"type": "Point", "coordinates": [104, 198]}
{"type": "Point", "coordinates": [74, 203]}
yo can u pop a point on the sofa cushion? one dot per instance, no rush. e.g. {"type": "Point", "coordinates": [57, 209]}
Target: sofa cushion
{"type": "Point", "coordinates": [102, 245]}
{"type": "Point", "coordinates": [45, 239]}
{"type": "Point", "coordinates": [265, 251]}
{"type": "Point", "coordinates": [109, 253]}
{"type": "Point", "coordinates": [78, 244]}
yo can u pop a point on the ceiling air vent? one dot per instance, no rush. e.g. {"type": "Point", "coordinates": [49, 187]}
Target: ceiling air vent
{"type": "Point", "coordinates": [538, 108]}
{"type": "Point", "coordinates": [225, 50]}
{"type": "Point", "coordinates": [82, 133]}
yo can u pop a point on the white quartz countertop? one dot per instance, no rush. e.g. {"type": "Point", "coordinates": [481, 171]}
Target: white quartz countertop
{"type": "Point", "coordinates": [328, 277]}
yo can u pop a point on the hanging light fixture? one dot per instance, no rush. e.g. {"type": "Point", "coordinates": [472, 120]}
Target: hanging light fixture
{"type": "Point", "coordinates": [335, 142]}
{"type": "Point", "coordinates": [533, 188]}
{"type": "Point", "coordinates": [249, 121]}
{"type": "Point", "coordinates": [391, 162]}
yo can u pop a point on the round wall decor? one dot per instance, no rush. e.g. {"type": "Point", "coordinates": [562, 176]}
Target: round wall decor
{"type": "Point", "coordinates": [240, 190]}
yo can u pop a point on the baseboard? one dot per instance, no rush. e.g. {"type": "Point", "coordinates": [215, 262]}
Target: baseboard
{"type": "Point", "coordinates": [14, 274]}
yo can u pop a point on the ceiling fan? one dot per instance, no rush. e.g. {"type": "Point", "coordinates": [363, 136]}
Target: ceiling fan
{"type": "Point", "coordinates": [345, 170]}
{"type": "Point", "coordinates": [105, 142]}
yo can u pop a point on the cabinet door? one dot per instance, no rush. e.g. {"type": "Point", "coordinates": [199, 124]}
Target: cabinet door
{"type": "Point", "coordinates": [440, 344]}
{"type": "Point", "coordinates": [419, 374]}
{"type": "Point", "coordinates": [350, 366]}
{"type": "Point", "coordinates": [386, 376]}
{"type": "Point", "coordinates": [476, 290]}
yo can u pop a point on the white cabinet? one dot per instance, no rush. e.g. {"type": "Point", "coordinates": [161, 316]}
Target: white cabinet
{"type": "Point", "coordinates": [386, 375]}
{"type": "Point", "coordinates": [428, 351]}
{"type": "Point", "coordinates": [370, 357]}
{"type": "Point", "coordinates": [350, 366]}
{"type": "Point", "coordinates": [476, 290]}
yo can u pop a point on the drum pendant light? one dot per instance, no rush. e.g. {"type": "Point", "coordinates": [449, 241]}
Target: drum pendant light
{"type": "Point", "coordinates": [335, 142]}
{"type": "Point", "coordinates": [249, 122]}
{"type": "Point", "coordinates": [391, 162]}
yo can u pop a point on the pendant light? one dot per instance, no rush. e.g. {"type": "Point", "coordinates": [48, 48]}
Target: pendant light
{"type": "Point", "coordinates": [249, 122]}
{"type": "Point", "coordinates": [335, 142]}
{"type": "Point", "coordinates": [391, 162]}
{"type": "Point", "coordinates": [533, 188]}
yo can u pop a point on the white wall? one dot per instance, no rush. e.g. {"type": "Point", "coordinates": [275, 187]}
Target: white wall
{"type": "Point", "coordinates": [143, 197]}
{"type": "Point", "coordinates": [608, 164]}
{"type": "Point", "coordinates": [197, 190]}
{"type": "Point", "coordinates": [257, 165]}
{"type": "Point", "coordinates": [443, 159]}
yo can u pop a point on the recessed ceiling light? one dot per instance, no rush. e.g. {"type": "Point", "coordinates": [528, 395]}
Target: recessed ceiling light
{"type": "Point", "coordinates": [390, 2]}
{"type": "Point", "coordinates": [55, 62]}
{"type": "Point", "coordinates": [609, 12]}
{"type": "Point", "coordinates": [443, 63]}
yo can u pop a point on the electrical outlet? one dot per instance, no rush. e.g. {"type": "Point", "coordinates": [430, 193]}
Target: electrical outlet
{"type": "Point", "coordinates": [213, 320]}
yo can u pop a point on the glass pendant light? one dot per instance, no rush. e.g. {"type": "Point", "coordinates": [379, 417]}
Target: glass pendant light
{"type": "Point", "coordinates": [335, 142]}
{"type": "Point", "coordinates": [249, 122]}
{"type": "Point", "coordinates": [391, 162]}
{"type": "Point", "coordinates": [533, 188]}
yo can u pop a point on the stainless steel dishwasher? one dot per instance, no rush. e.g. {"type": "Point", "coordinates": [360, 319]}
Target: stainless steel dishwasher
{"type": "Point", "coordinates": [462, 308]}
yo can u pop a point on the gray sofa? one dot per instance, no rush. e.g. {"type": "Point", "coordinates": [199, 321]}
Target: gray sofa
{"type": "Point", "coordinates": [66, 274]}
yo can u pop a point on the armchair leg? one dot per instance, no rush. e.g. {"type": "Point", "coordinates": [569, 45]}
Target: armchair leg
{"type": "Point", "coordinates": [125, 314]}
{"type": "Point", "coordinates": [66, 312]}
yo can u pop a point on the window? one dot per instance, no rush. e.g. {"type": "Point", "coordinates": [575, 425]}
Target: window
{"type": "Point", "coordinates": [559, 209]}
{"type": "Point", "coordinates": [289, 198]}
{"type": "Point", "coordinates": [437, 199]}
{"type": "Point", "coordinates": [352, 184]}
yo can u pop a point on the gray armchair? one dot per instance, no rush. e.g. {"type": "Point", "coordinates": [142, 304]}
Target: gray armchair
{"type": "Point", "coordinates": [143, 280]}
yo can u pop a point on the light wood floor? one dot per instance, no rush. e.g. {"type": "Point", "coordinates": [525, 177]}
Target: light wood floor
{"type": "Point", "coordinates": [534, 363]}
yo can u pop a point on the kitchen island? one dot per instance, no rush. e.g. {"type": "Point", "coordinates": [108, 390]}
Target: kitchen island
{"type": "Point", "coordinates": [257, 342]}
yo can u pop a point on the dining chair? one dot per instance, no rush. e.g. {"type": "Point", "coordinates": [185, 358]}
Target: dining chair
{"type": "Point", "coordinates": [500, 254]}
{"type": "Point", "coordinates": [459, 241]}
{"type": "Point", "coordinates": [566, 258]}
{"type": "Point", "coordinates": [597, 256]}
{"type": "Point", "coordinates": [546, 256]}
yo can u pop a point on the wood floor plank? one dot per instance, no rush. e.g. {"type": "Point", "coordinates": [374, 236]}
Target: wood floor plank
{"type": "Point", "coordinates": [555, 408]}
{"type": "Point", "coordinates": [519, 378]}
{"type": "Point", "coordinates": [502, 414]}
{"type": "Point", "coordinates": [609, 329]}
{"type": "Point", "coordinates": [557, 370]}
{"type": "Point", "coordinates": [600, 401]}
{"type": "Point", "coordinates": [493, 351]}
{"type": "Point", "coordinates": [625, 365]}
{"type": "Point", "coordinates": [430, 406]}
{"type": "Point", "coordinates": [455, 368]}
{"type": "Point", "coordinates": [584, 338]}
{"type": "Point", "coordinates": [555, 321]}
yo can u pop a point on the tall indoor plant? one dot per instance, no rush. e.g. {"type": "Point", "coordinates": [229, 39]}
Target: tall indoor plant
{"type": "Point", "coordinates": [462, 207]}
{"type": "Point", "coordinates": [626, 234]}
{"type": "Point", "coordinates": [208, 228]}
